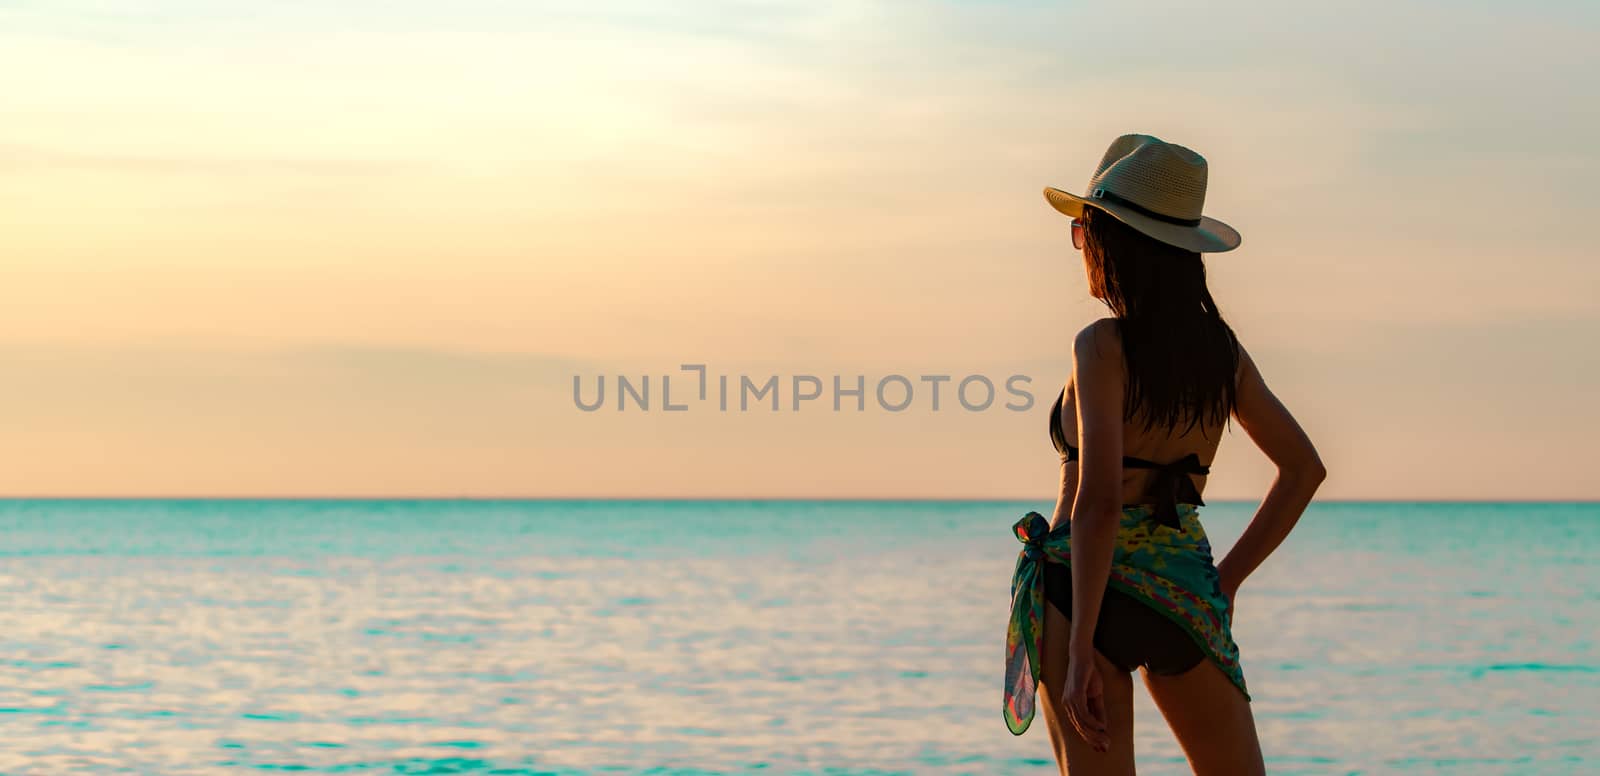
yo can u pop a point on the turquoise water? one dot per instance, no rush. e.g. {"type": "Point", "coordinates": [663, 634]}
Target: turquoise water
{"type": "Point", "coordinates": [176, 637]}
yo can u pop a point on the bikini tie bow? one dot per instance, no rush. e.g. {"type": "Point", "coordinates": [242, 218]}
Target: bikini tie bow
{"type": "Point", "coordinates": [1172, 486]}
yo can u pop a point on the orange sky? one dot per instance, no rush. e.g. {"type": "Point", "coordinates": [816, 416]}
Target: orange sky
{"type": "Point", "coordinates": [321, 250]}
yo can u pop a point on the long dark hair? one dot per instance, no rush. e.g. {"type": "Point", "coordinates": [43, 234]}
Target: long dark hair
{"type": "Point", "coordinates": [1182, 358]}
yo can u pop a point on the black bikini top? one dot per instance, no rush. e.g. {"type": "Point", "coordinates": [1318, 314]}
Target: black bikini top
{"type": "Point", "coordinates": [1171, 485]}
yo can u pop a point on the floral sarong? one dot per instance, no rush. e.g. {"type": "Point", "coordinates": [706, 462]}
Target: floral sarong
{"type": "Point", "coordinates": [1168, 570]}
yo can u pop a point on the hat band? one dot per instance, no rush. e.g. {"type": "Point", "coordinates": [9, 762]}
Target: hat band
{"type": "Point", "coordinates": [1141, 209]}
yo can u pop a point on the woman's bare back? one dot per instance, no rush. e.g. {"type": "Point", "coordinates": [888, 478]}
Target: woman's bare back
{"type": "Point", "coordinates": [1160, 446]}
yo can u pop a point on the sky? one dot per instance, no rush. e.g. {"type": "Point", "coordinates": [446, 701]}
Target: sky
{"type": "Point", "coordinates": [364, 249]}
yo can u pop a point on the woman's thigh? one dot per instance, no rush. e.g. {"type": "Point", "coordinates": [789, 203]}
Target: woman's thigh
{"type": "Point", "coordinates": [1211, 720]}
{"type": "Point", "coordinates": [1073, 754]}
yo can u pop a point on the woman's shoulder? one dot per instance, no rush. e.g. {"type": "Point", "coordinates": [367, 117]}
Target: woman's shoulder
{"type": "Point", "coordinates": [1100, 339]}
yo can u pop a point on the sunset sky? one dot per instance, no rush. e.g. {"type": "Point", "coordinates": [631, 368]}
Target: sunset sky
{"type": "Point", "coordinates": [363, 248]}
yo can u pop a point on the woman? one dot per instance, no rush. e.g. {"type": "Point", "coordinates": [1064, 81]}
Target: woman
{"type": "Point", "coordinates": [1151, 391]}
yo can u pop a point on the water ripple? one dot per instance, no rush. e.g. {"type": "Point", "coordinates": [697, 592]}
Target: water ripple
{"type": "Point", "coordinates": [194, 638]}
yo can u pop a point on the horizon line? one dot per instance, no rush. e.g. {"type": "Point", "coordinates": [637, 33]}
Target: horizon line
{"type": "Point", "coordinates": [729, 499]}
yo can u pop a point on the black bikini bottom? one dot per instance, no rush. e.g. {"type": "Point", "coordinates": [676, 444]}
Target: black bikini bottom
{"type": "Point", "coordinates": [1129, 633]}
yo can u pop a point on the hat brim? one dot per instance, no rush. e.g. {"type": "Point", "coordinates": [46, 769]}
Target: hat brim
{"type": "Point", "coordinates": [1209, 236]}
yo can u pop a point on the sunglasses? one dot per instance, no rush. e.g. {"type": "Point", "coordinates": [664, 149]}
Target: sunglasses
{"type": "Point", "coordinates": [1077, 233]}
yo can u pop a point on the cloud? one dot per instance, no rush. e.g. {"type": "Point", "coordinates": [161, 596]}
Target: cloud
{"type": "Point", "coordinates": [35, 159]}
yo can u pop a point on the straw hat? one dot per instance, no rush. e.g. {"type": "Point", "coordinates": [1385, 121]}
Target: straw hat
{"type": "Point", "coordinates": [1155, 187]}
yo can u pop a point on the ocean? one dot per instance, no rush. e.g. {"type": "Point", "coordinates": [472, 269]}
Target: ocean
{"type": "Point", "coordinates": [684, 637]}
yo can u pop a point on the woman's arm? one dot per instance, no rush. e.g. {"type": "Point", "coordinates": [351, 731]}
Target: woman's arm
{"type": "Point", "coordinates": [1097, 372]}
{"type": "Point", "coordinates": [1300, 471]}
